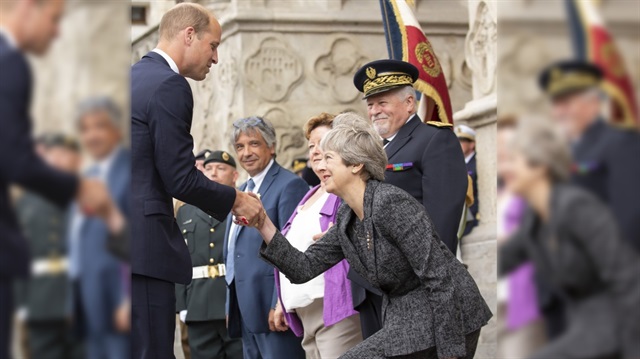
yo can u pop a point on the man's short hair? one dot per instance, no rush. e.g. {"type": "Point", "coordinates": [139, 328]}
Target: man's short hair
{"type": "Point", "coordinates": [182, 16]}
{"type": "Point", "coordinates": [99, 103]}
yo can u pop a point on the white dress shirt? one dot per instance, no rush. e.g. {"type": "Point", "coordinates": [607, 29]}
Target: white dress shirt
{"type": "Point", "coordinates": [167, 58]}
{"type": "Point", "coordinates": [257, 180]}
{"type": "Point", "coordinates": [395, 134]}
{"type": "Point", "coordinates": [11, 40]}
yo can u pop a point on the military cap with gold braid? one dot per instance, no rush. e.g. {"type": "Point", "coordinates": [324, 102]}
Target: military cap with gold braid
{"type": "Point", "coordinates": [298, 165]}
{"type": "Point", "coordinates": [567, 77]}
{"type": "Point", "coordinates": [59, 140]}
{"type": "Point", "coordinates": [220, 157]}
{"type": "Point", "coordinates": [384, 75]}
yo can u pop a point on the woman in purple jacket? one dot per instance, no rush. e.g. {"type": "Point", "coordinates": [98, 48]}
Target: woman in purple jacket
{"type": "Point", "coordinates": [320, 310]}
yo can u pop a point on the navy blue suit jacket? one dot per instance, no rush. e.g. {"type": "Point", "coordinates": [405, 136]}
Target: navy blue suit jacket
{"type": "Point", "coordinates": [253, 290]}
{"type": "Point", "coordinates": [101, 282]}
{"type": "Point", "coordinates": [19, 163]}
{"type": "Point", "coordinates": [162, 169]}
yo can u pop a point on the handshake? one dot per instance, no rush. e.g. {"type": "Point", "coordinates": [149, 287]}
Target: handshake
{"type": "Point", "coordinates": [248, 210]}
{"type": "Point", "coordinates": [94, 200]}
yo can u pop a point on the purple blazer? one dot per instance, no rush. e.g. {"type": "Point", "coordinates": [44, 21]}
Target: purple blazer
{"type": "Point", "coordinates": [337, 288]}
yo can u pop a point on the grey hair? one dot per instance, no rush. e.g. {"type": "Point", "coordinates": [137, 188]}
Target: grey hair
{"type": "Point", "coordinates": [99, 103]}
{"type": "Point", "coordinates": [355, 140]}
{"type": "Point", "coordinates": [252, 125]}
{"type": "Point", "coordinates": [404, 92]}
{"type": "Point", "coordinates": [542, 145]}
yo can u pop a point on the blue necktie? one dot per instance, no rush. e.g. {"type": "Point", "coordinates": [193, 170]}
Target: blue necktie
{"type": "Point", "coordinates": [232, 242]}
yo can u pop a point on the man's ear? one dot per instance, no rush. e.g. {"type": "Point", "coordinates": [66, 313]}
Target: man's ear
{"type": "Point", "coordinates": [189, 35]}
{"type": "Point", "coordinates": [235, 177]}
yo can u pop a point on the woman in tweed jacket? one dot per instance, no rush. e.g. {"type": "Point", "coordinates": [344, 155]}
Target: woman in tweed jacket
{"type": "Point", "coordinates": [432, 307]}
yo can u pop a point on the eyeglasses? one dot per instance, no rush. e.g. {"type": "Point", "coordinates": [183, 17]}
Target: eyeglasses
{"type": "Point", "coordinates": [251, 121]}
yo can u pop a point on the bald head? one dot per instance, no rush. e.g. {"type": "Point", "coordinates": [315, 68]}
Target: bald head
{"type": "Point", "coordinates": [190, 35]}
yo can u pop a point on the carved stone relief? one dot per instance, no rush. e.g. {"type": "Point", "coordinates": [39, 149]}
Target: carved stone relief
{"type": "Point", "coordinates": [290, 138]}
{"type": "Point", "coordinates": [335, 69]}
{"type": "Point", "coordinates": [143, 46]}
{"type": "Point", "coordinates": [273, 70]}
{"type": "Point", "coordinates": [481, 50]}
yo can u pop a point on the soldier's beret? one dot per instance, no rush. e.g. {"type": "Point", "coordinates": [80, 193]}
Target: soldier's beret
{"type": "Point", "coordinates": [220, 157]}
{"type": "Point", "coordinates": [203, 154]}
{"type": "Point", "coordinates": [384, 75]}
{"type": "Point", "coordinates": [567, 77]}
{"type": "Point", "coordinates": [59, 140]}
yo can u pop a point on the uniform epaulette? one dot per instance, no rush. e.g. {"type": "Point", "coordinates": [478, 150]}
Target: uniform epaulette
{"type": "Point", "coordinates": [439, 124]}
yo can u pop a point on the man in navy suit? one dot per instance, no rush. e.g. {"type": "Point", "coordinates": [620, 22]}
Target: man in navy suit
{"type": "Point", "coordinates": [252, 295]}
{"type": "Point", "coordinates": [26, 26]}
{"type": "Point", "coordinates": [162, 169]}
{"type": "Point", "coordinates": [96, 274]}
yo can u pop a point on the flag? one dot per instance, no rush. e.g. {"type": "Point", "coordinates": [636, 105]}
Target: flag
{"type": "Point", "coordinates": [407, 42]}
{"type": "Point", "coordinates": [593, 43]}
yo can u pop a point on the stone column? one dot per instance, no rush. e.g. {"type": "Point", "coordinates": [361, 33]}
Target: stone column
{"type": "Point", "coordinates": [479, 247]}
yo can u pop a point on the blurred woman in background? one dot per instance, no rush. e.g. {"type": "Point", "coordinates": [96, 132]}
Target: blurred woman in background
{"type": "Point", "coordinates": [320, 310]}
{"type": "Point", "coordinates": [587, 278]}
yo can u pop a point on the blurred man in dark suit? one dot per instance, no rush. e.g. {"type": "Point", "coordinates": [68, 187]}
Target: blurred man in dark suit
{"type": "Point", "coordinates": [163, 167]}
{"type": "Point", "coordinates": [424, 159]}
{"type": "Point", "coordinates": [27, 26]}
{"type": "Point", "coordinates": [467, 137]}
{"type": "Point", "coordinates": [605, 157]}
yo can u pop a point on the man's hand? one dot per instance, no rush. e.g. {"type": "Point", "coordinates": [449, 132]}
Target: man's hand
{"type": "Point", "coordinates": [93, 198]}
{"type": "Point", "coordinates": [279, 320]}
{"type": "Point", "coordinates": [247, 206]}
{"type": "Point", "coordinates": [272, 324]}
{"type": "Point", "coordinates": [122, 317]}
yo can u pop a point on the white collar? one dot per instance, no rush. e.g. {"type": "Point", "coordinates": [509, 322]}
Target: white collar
{"type": "Point", "coordinates": [395, 134]}
{"type": "Point", "coordinates": [259, 178]}
{"type": "Point", "coordinates": [105, 164]}
{"type": "Point", "coordinates": [468, 158]}
{"type": "Point", "coordinates": [11, 40]}
{"type": "Point", "coordinates": [168, 58]}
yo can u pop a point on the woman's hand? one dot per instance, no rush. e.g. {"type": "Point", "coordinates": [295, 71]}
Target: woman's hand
{"type": "Point", "coordinates": [320, 235]}
{"type": "Point", "coordinates": [263, 224]}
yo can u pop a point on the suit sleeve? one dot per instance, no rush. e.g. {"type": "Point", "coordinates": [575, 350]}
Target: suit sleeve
{"type": "Point", "coordinates": [408, 226]}
{"type": "Point", "coordinates": [512, 253]}
{"type": "Point", "coordinates": [19, 163]}
{"type": "Point", "coordinates": [289, 200]}
{"type": "Point", "coordinates": [301, 267]}
{"type": "Point", "coordinates": [617, 263]}
{"type": "Point", "coordinates": [444, 185]}
{"type": "Point", "coordinates": [170, 111]}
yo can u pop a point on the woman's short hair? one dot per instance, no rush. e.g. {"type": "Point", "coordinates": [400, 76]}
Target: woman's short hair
{"type": "Point", "coordinates": [323, 119]}
{"type": "Point", "coordinates": [543, 145]}
{"type": "Point", "coordinates": [355, 140]}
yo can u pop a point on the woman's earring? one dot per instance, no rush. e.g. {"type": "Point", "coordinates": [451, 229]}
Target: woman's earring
{"type": "Point", "coordinates": [354, 171]}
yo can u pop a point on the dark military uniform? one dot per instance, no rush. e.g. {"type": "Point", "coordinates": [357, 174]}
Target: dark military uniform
{"type": "Point", "coordinates": [605, 158]}
{"type": "Point", "coordinates": [606, 163]}
{"type": "Point", "coordinates": [204, 298]}
{"type": "Point", "coordinates": [45, 294]}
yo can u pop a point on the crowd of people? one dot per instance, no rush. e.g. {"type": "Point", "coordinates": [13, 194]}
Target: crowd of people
{"type": "Point", "coordinates": [355, 255]}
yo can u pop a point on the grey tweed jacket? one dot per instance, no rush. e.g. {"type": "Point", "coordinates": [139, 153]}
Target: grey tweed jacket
{"type": "Point", "coordinates": [429, 297]}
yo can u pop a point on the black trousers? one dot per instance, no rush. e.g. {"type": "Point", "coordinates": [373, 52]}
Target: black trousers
{"type": "Point", "coordinates": [153, 320]}
{"type": "Point", "coordinates": [210, 340]}
{"type": "Point", "coordinates": [6, 314]}
{"type": "Point", "coordinates": [53, 339]}
{"type": "Point", "coordinates": [370, 314]}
